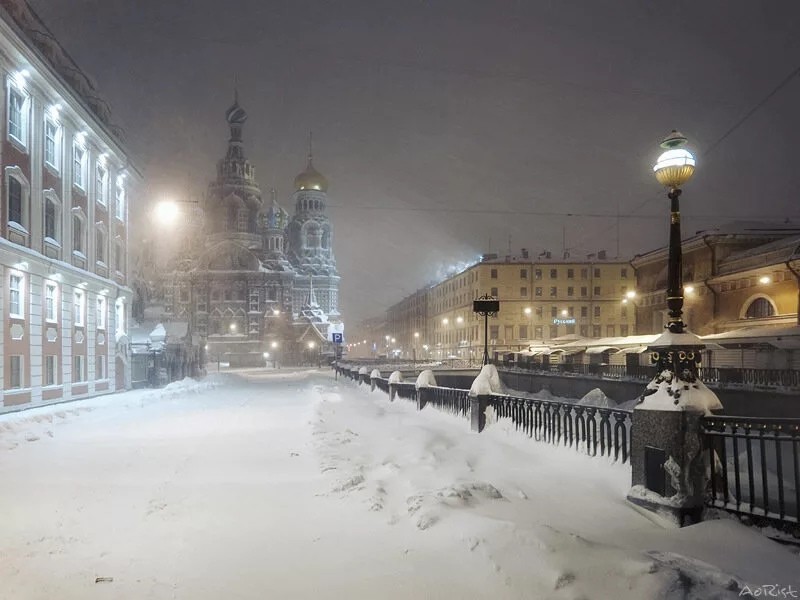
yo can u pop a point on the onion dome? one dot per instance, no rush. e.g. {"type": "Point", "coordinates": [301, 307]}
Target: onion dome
{"type": "Point", "coordinates": [235, 115]}
{"type": "Point", "coordinates": [311, 179]}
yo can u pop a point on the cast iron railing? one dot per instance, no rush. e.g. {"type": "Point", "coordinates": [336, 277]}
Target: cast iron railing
{"type": "Point", "coordinates": [451, 400]}
{"type": "Point", "coordinates": [755, 466]}
{"type": "Point", "coordinates": [589, 429]}
{"type": "Point", "coordinates": [405, 390]}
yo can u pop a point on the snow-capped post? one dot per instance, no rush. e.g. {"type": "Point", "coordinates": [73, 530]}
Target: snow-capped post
{"type": "Point", "coordinates": [486, 383]}
{"type": "Point", "coordinates": [395, 378]}
{"type": "Point", "coordinates": [373, 379]}
{"type": "Point", "coordinates": [668, 468]}
{"type": "Point", "coordinates": [363, 377]}
{"type": "Point", "coordinates": [425, 381]}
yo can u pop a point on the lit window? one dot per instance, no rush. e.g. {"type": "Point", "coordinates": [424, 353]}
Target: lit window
{"type": "Point", "coordinates": [80, 302]}
{"type": "Point", "coordinates": [79, 166]}
{"type": "Point", "coordinates": [50, 302]}
{"type": "Point", "coordinates": [119, 208]}
{"type": "Point", "coordinates": [52, 144]}
{"type": "Point", "coordinates": [101, 312]}
{"type": "Point", "coordinates": [101, 185]}
{"type": "Point", "coordinates": [18, 108]}
{"type": "Point", "coordinates": [16, 297]}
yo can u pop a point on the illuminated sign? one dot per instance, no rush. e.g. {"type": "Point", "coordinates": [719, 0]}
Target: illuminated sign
{"type": "Point", "coordinates": [570, 321]}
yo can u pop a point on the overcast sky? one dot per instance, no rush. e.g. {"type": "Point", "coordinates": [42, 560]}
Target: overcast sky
{"type": "Point", "coordinates": [446, 128]}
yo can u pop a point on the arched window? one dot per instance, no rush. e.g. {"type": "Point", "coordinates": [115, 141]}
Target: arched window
{"type": "Point", "coordinates": [759, 309]}
{"type": "Point", "coordinates": [18, 200]}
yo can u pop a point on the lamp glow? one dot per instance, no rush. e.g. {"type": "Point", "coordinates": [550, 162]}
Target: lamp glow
{"type": "Point", "coordinates": [527, 310]}
{"type": "Point", "coordinates": [765, 279]}
{"type": "Point", "coordinates": [674, 167]}
{"type": "Point", "coordinates": [688, 289]}
{"type": "Point", "coordinates": [167, 212]}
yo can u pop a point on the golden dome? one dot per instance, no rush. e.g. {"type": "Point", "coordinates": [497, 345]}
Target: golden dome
{"type": "Point", "coordinates": [311, 179]}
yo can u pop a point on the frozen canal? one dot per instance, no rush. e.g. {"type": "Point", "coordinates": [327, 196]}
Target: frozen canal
{"type": "Point", "coordinates": [292, 485]}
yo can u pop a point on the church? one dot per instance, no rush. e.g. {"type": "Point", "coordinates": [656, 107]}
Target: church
{"type": "Point", "coordinates": [259, 283]}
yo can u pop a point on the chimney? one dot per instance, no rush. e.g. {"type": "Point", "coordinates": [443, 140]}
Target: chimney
{"type": "Point", "coordinates": [601, 254]}
{"type": "Point", "coordinates": [547, 254]}
{"type": "Point", "coordinates": [566, 254]}
{"type": "Point", "coordinates": [525, 253]}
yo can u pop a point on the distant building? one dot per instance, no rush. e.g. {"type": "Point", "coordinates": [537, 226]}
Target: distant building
{"type": "Point", "coordinates": [542, 298]}
{"type": "Point", "coordinates": [67, 188]}
{"type": "Point", "coordinates": [260, 280]}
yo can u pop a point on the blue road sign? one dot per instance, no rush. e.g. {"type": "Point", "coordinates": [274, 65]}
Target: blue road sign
{"type": "Point", "coordinates": [337, 338]}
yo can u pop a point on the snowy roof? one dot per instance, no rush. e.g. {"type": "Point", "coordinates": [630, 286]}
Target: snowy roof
{"type": "Point", "coordinates": [780, 337]}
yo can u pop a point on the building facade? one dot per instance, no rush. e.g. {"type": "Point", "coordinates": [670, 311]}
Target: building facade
{"type": "Point", "coordinates": [67, 187]}
{"type": "Point", "coordinates": [255, 279]}
{"type": "Point", "coordinates": [541, 299]}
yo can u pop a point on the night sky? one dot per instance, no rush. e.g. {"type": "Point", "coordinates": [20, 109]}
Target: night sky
{"type": "Point", "coordinates": [446, 128]}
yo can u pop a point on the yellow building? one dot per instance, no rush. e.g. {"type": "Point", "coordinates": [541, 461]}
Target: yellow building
{"type": "Point", "coordinates": [541, 299]}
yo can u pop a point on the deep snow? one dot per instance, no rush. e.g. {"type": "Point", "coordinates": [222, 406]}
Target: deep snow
{"type": "Point", "coordinates": [288, 484]}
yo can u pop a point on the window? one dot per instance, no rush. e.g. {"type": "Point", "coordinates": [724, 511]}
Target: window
{"type": "Point", "coordinates": [523, 292]}
{"type": "Point", "coordinates": [538, 291]}
{"type": "Point", "coordinates": [597, 290]}
{"type": "Point", "coordinates": [100, 367]}
{"type": "Point", "coordinates": [623, 273]}
{"type": "Point", "coordinates": [623, 311]}
{"type": "Point", "coordinates": [79, 165]}
{"type": "Point", "coordinates": [119, 257]}
{"type": "Point", "coordinates": [15, 369]}
{"type": "Point", "coordinates": [101, 312]}
{"type": "Point", "coordinates": [493, 293]}
{"type": "Point", "coordinates": [78, 234]}
{"type": "Point", "coordinates": [610, 331]}
{"type": "Point", "coordinates": [553, 291]}
{"type": "Point", "coordinates": [553, 311]}
{"type": "Point", "coordinates": [253, 302]}
{"type": "Point", "coordinates": [570, 291]}
{"type": "Point", "coordinates": [77, 374]}
{"type": "Point", "coordinates": [18, 116]}
{"type": "Point", "coordinates": [553, 273]}
{"type": "Point", "coordinates": [100, 245]}
{"type": "Point", "coordinates": [539, 312]}
{"type": "Point", "coordinates": [493, 273]}
{"type": "Point", "coordinates": [242, 222]}
{"type": "Point", "coordinates": [15, 206]}
{"type": "Point", "coordinates": [597, 312]}
{"type": "Point", "coordinates": [119, 206]}
{"type": "Point", "coordinates": [523, 332]}
{"type": "Point", "coordinates": [570, 273]}
{"type": "Point", "coordinates": [101, 185]}
{"type": "Point", "coordinates": [623, 330]}
{"type": "Point", "coordinates": [52, 144]}
{"type": "Point", "coordinates": [584, 331]}
{"type": "Point", "coordinates": [494, 332]}
{"type": "Point", "coordinates": [16, 298]}
{"type": "Point", "coordinates": [584, 311]}
{"type": "Point", "coordinates": [759, 309]}
{"type": "Point", "coordinates": [52, 225]}
{"type": "Point", "coordinates": [571, 311]}
{"type": "Point", "coordinates": [553, 331]}
{"type": "Point", "coordinates": [537, 332]}
{"type": "Point", "coordinates": [537, 274]}
{"type": "Point", "coordinates": [597, 331]}
{"type": "Point", "coordinates": [183, 295]}
{"type": "Point", "coordinates": [584, 273]}
{"type": "Point", "coordinates": [50, 313]}
{"type": "Point", "coordinates": [79, 303]}
{"type": "Point", "coordinates": [584, 291]}
{"type": "Point", "coordinates": [50, 369]}
{"type": "Point", "coordinates": [119, 315]}
{"type": "Point", "coordinates": [596, 272]}
{"type": "Point", "coordinates": [523, 273]}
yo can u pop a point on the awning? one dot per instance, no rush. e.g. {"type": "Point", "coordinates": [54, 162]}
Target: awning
{"type": "Point", "coordinates": [599, 349]}
{"type": "Point", "coordinates": [632, 350]}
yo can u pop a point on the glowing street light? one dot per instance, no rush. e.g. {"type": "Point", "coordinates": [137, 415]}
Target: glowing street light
{"type": "Point", "coordinates": [528, 311]}
{"type": "Point", "coordinates": [274, 345]}
{"type": "Point", "coordinates": [765, 280]}
{"type": "Point", "coordinates": [460, 320]}
{"type": "Point", "coordinates": [445, 321]}
{"type": "Point", "coordinates": [232, 327]}
{"type": "Point", "coordinates": [688, 289]}
{"type": "Point", "coordinates": [166, 212]}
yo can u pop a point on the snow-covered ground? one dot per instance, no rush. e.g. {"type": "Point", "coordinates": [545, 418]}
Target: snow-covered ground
{"type": "Point", "coordinates": [288, 484]}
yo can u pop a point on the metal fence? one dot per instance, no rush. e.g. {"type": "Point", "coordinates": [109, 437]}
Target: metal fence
{"type": "Point", "coordinates": [755, 466]}
{"type": "Point", "coordinates": [589, 429]}
{"type": "Point", "coordinates": [450, 400]}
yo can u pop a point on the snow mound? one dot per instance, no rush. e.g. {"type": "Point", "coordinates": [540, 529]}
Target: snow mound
{"type": "Point", "coordinates": [596, 397]}
{"type": "Point", "coordinates": [376, 374]}
{"type": "Point", "coordinates": [362, 370]}
{"type": "Point", "coordinates": [396, 377]}
{"type": "Point", "coordinates": [487, 382]}
{"type": "Point", "coordinates": [669, 392]}
{"type": "Point", "coordinates": [426, 379]}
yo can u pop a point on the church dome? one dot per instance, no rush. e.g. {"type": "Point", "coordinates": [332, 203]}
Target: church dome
{"type": "Point", "coordinates": [235, 115]}
{"type": "Point", "coordinates": [311, 179]}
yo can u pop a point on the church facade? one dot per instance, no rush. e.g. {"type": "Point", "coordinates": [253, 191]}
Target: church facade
{"type": "Point", "coordinates": [258, 281]}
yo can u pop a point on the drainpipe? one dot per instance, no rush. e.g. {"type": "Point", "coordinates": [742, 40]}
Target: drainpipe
{"type": "Point", "coordinates": [797, 276]}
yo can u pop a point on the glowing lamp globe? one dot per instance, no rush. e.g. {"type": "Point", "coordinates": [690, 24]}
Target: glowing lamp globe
{"type": "Point", "coordinates": [675, 166]}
